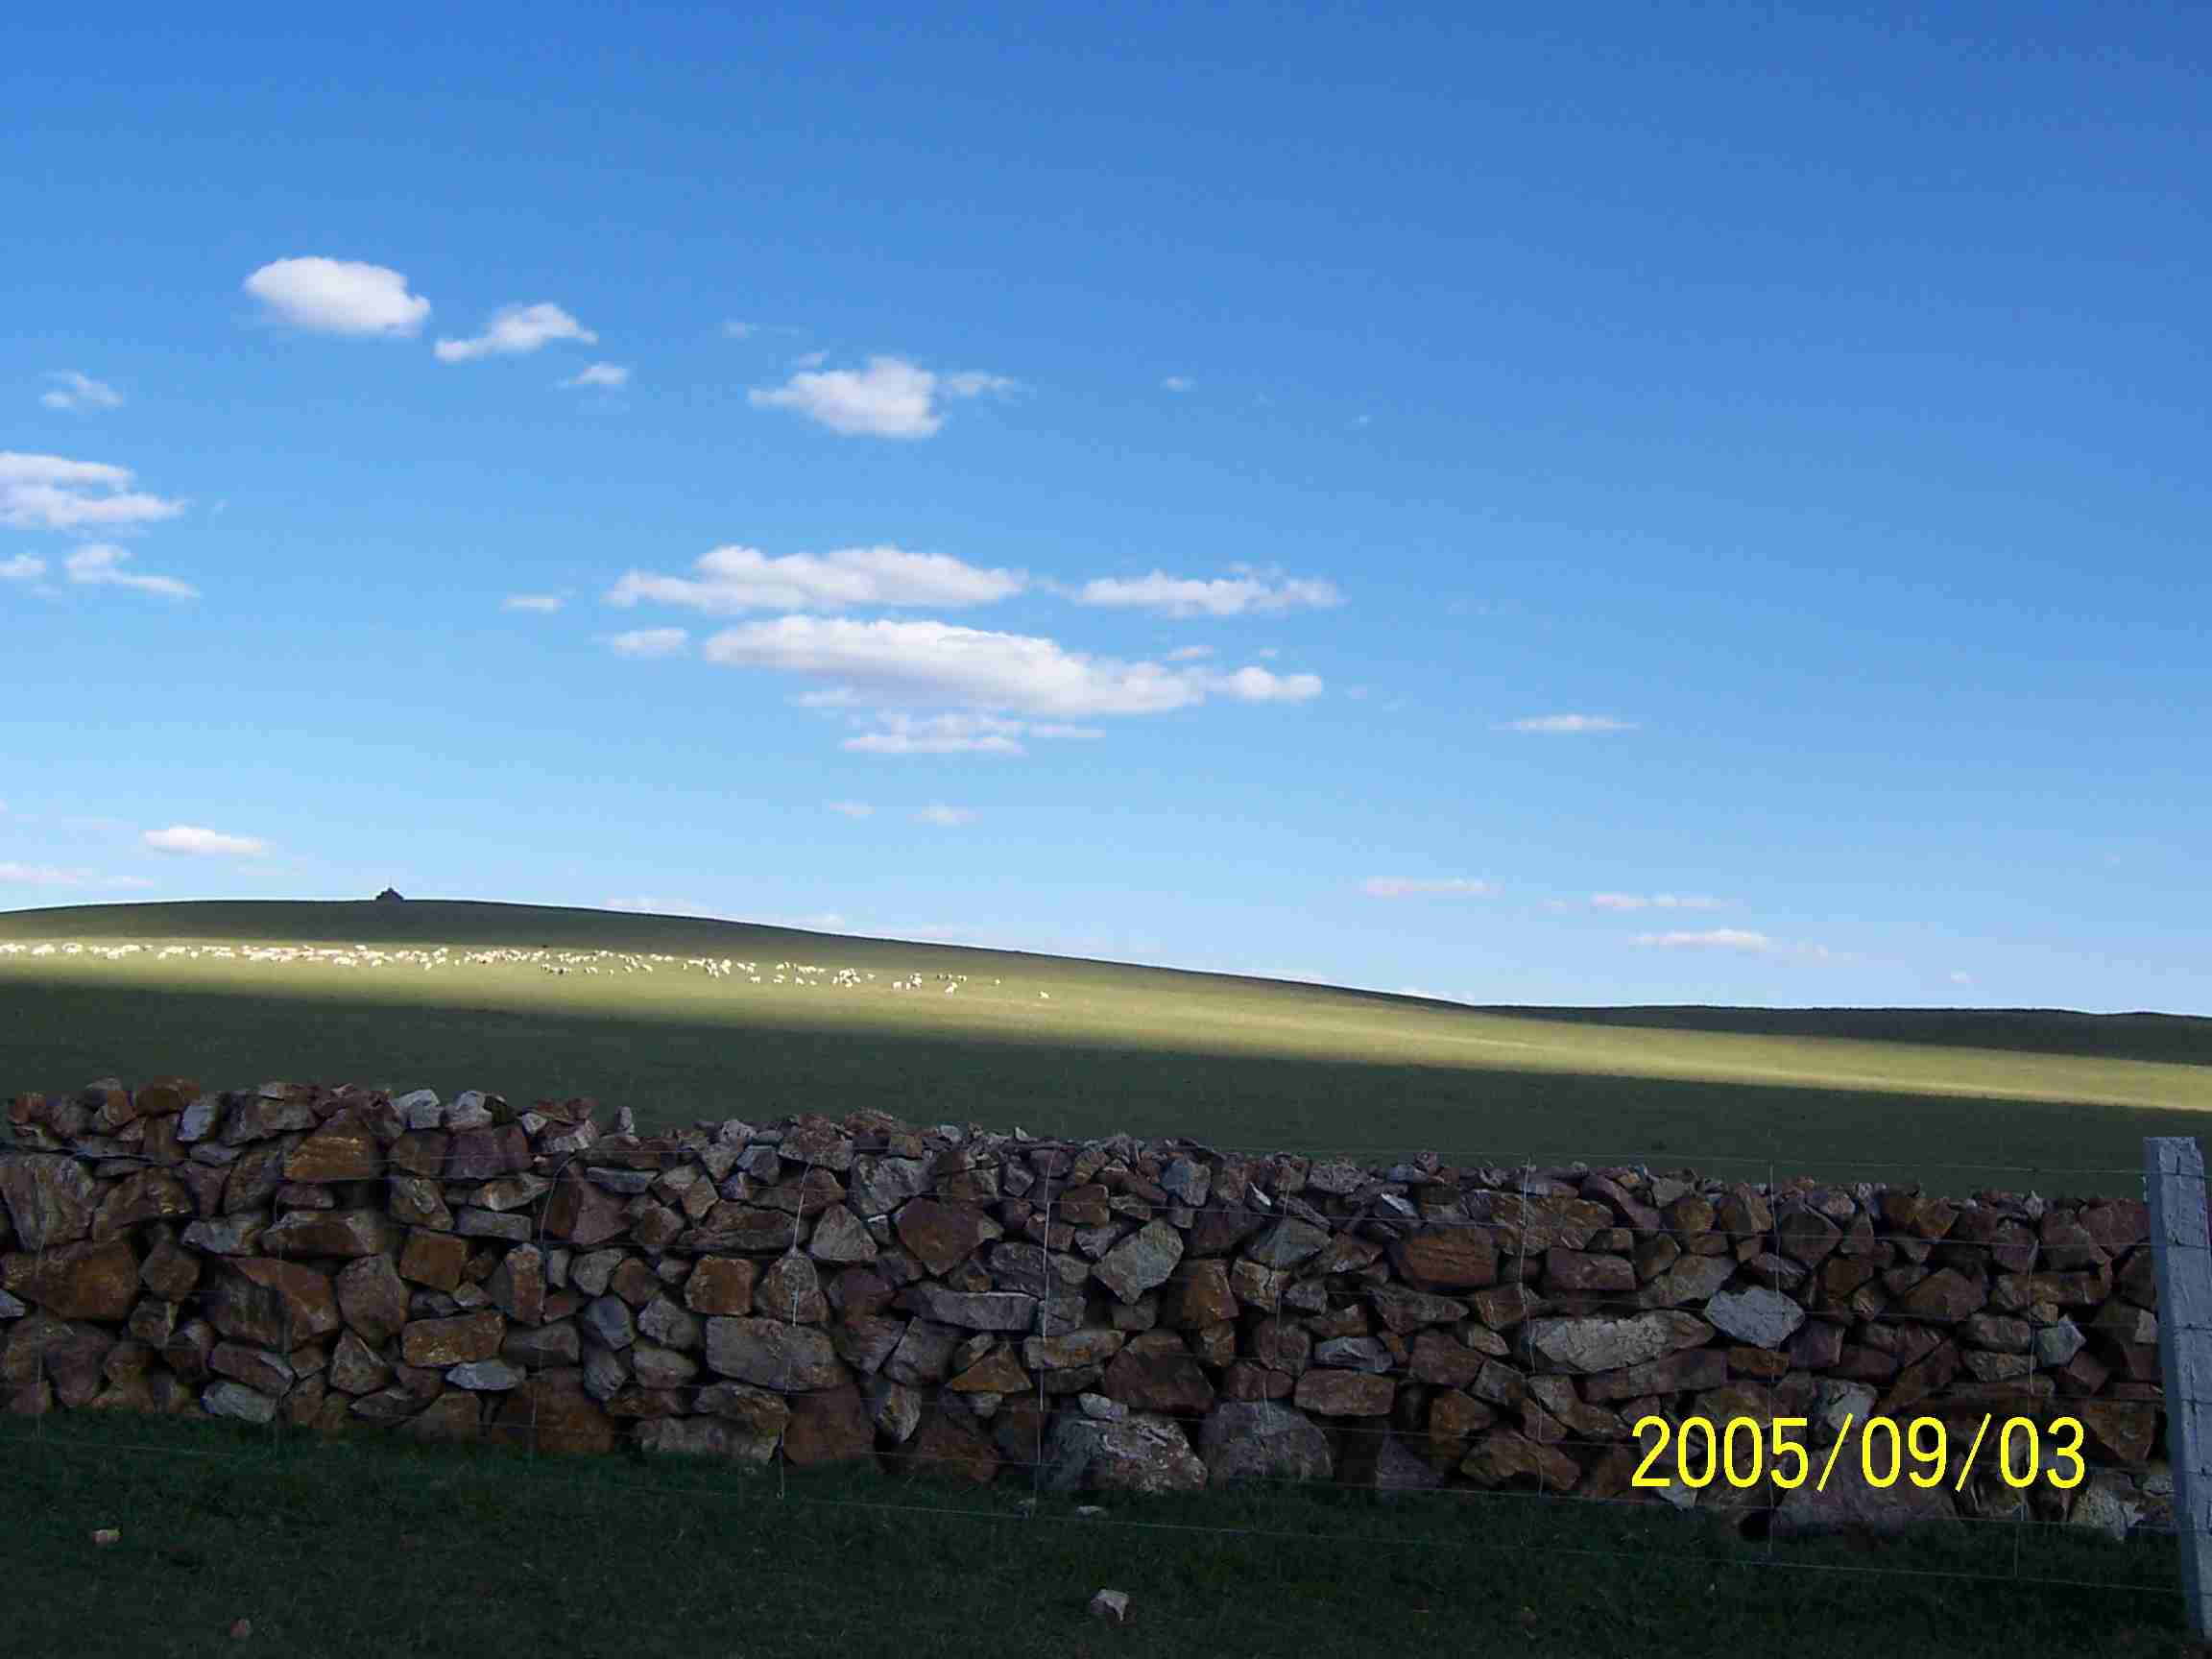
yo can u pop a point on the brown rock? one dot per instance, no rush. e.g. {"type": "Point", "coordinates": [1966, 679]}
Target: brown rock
{"type": "Point", "coordinates": [82, 1281]}
{"type": "Point", "coordinates": [791, 1288]}
{"type": "Point", "coordinates": [149, 1195]}
{"type": "Point", "coordinates": [2124, 1432]}
{"type": "Point", "coordinates": [585, 1214]}
{"type": "Point", "coordinates": [948, 1444]}
{"type": "Point", "coordinates": [1503, 1457]}
{"type": "Point", "coordinates": [1581, 1271]}
{"type": "Point", "coordinates": [1696, 1368]}
{"type": "Point", "coordinates": [484, 1154]}
{"type": "Point", "coordinates": [998, 1372]}
{"type": "Point", "coordinates": [720, 1285]}
{"type": "Point", "coordinates": [516, 1287]}
{"type": "Point", "coordinates": [943, 1236]}
{"type": "Point", "coordinates": [1344, 1394]}
{"type": "Point", "coordinates": [329, 1232]}
{"type": "Point", "coordinates": [436, 1343]}
{"type": "Point", "coordinates": [435, 1260]}
{"type": "Point", "coordinates": [1944, 1295]}
{"type": "Point", "coordinates": [1447, 1258]}
{"type": "Point", "coordinates": [372, 1299]}
{"type": "Point", "coordinates": [1199, 1292]}
{"type": "Point", "coordinates": [342, 1149]}
{"type": "Point", "coordinates": [272, 1304]}
{"type": "Point", "coordinates": [1157, 1382]}
{"type": "Point", "coordinates": [49, 1198]}
{"type": "Point", "coordinates": [829, 1425]}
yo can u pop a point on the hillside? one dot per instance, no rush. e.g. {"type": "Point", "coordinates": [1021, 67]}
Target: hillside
{"type": "Point", "coordinates": [1058, 1045]}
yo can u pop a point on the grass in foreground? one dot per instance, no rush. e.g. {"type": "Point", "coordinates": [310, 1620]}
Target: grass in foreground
{"type": "Point", "coordinates": [378, 1548]}
{"type": "Point", "coordinates": [1843, 1093]}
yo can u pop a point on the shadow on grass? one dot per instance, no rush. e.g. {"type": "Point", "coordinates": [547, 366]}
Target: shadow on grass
{"type": "Point", "coordinates": [377, 1545]}
{"type": "Point", "coordinates": [2171, 1039]}
{"type": "Point", "coordinates": [673, 1072]}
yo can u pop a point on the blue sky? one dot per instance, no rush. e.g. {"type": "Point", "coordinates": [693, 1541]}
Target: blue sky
{"type": "Point", "coordinates": [1694, 504]}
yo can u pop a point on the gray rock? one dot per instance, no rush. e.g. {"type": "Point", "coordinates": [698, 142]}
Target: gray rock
{"type": "Point", "coordinates": [789, 1359]}
{"type": "Point", "coordinates": [1187, 1182]}
{"type": "Point", "coordinates": [608, 1318]}
{"type": "Point", "coordinates": [2057, 1344]}
{"type": "Point", "coordinates": [231, 1235]}
{"type": "Point", "coordinates": [1142, 1260]}
{"type": "Point", "coordinates": [236, 1400]}
{"type": "Point", "coordinates": [467, 1111]}
{"type": "Point", "coordinates": [2108, 1502]}
{"type": "Point", "coordinates": [658, 1367]}
{"type": "Point", "coordinates": [704, 1437]}
{"type": "Point", "coordinates": [10, 1308]}
{"type": "Point", "coordinates": [923, 1354]}
{"type": "Point", "coordinates": [488, 1376]}
{"type": "Point", "coordinates": [670, 1325]}
{"type": "Point", "coordinates": [604, 1373]}
{"type": "Point", "coordinates": [419, 1108]}
{"type": "Point", "coordinates": [1600, 1344]}
{"type": "Point", "coordinates": [1287, 1243]}
{"type": "Point", "coordinates": [1353, 1353]}
{"type": "Point", "coordinates": [473, 1222]}
{"type": "Point", "coordinates": [1260, 1440]}
{"type": "Point", "coordinates": [894, 1408]}
{"type": "Point", "coordinates": [1764, 1319]}
{"type": "Point", "coordinates": [197, 1121]}
{"type": "Point", "coordinates": [1849, 1503]}
{"type": "Point", "coordinates": [977, 1310]}
{"type": "Point", "coordinates": [840, 1237]}
{"type": "Point", "coordinates": [627, 1181]}
{"type": "Point", "coordinates": [1101, 1408]}
{"type": "Point", "coordinates": [1142, 1452]}
{"type": "Point", "coordinates": [49, 1195]}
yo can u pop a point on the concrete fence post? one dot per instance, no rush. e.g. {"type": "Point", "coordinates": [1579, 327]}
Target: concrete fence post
{"type": "Point", "coordinates": [2181, 1241]}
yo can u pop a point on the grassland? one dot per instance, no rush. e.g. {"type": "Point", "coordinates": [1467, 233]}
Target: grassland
{"type": "Point", "coordinates": [2051, 1101]}
{"type": "Point", "coordinates": [332, 1550]}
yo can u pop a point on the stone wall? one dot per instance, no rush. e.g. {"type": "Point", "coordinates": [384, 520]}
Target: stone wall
{"type": "Point", "coordinates": [1132, 1315]}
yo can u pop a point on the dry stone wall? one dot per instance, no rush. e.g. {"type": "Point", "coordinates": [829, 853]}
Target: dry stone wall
{"type": "Point", "coordinates": [1107, 1314]}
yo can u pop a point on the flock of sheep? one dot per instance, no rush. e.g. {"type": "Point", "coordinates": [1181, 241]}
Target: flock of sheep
{"type": "Point", "coordinates": [798, 974]}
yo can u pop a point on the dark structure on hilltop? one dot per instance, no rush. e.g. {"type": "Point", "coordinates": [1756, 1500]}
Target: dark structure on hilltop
{"type": "Point", "coordinates": [391, 896]}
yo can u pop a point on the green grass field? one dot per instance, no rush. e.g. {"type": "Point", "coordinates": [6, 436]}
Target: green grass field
{"type": "Point", "coordinates": [378, 1548]}
{"type": "Point", "coordinates": [2051, 1101]}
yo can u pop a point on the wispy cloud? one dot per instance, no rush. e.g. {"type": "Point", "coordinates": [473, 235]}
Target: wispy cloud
{"type": "Point", "coordinates": [938, 735]}
{"type": "Point", "coordinates": [1189, 652]}
{"type": "Point", "coordinates": [22, 567]}
{"type": "Point", "coordinates": [650, 643]}
{"type": "Point", "coordinates": [734, 579]}
{"type": "Point", "coordinates": [890, 399]}
{"type": "Point", "coordinates": [52, 493]}
{"type": "Point", "coordinates": [1442, 887]}
{"type": "Point", "coordinates": [545, 604]}
{"type": "Point", "coordinates": [1712, 938]}
{"type": "Point", "coordinates": [1563, 724]}
{"type": "Point", "coordinates": [945, 817]}
{"type": "Point", "coordinates": [515, 329]}
{"type": "Point", "coordinates": [1177, 383]}
{"type": "Point", "coordinates": [101, 565]}
{"type": "Point", "coordinates": [606, 375]}
{"type": "Point", "coordinates": [204, 843]}
{"type": "Point", "coordinates": [1656, 902]}
{"type": "Point", "coordinates": [1248, 593]}
{"type": "Point", "coordinates": [80, 393]}
{"type": "Point", "coordinates": [54, 875]}
{"type": "Point", "coordinates": [851, 808]}
{"type": "Point", "coordinates": [1959, 977]}
{"type": "Point", "coordinates": [339, 297]}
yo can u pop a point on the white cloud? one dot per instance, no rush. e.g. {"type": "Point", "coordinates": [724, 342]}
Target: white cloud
{"type": "Point", "coordinates": [544, 603]}
{"type": "Point", "coordinates": [608, 374]}
{"type": "Point", "coordinates": [1960, 977]}
{"type": "Point", "coordinates": [54, 875]}
{"type": "Point", "coordinates": [515, 329]}
{"type": "Point", "coordinates": [650, 643]}
{"type": "Point", "coordinates": [1656, 902]}
{"type": "Point", "coordinates": [1177, 383]}
{"type": "Point", "coordinates": [738, 330]}
{"type": "Point", "coordinates": [1268, 652]}
{"type": "Point", "coordinates": [810, 359]}
{"type": "Point", "coordinates": [51, 493]}
{"type": "Point", "coordinates": [23, 567]}
{"type": "Point", "coordinates": [339, 297]}
{"type": "Point", "coordinates": [1450, 886]}
{"type": "Point", "coordinates": [100, 564]}
{"type": "Point", "coordinates": [1222, 596]}
{"type": "Point", "coordinates": [890, 399]}
{"type": "Point", "coordinates": [938, 735]}
{"type": "Point", "coordinates": [1566, 723]}
{"type": "Point", "coordinates": [206, 843]}
{"type": "Point", "coordinates": [736, 579]}
{"type": "Point", "coordinates": [1189, 652]}
{"type": "Point", "coordinates": [925, 662]}
{"type": "Point", "coordinates": [80, 393]}
{"type": "Point", "coordinates": [1721, 938]}
{"type": "Point", "coordinates": [1049, 729]}
{"type": "Point", "coordinates": [851, 808]}
{"type": "Point", "coordinates": [945, 817]}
